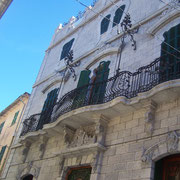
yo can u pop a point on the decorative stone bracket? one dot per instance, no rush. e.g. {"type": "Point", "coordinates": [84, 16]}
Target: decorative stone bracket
{"type": "Point", "coordinates": [150, 117]}
{"type": "Point", "coordinates": [167, 146]}
{"type": "Point", "coordinates": [42, 146]}
{"type": "Point", "coordinates": [86, 135]}
{"type": "Point", "coordinates": [26, 147]}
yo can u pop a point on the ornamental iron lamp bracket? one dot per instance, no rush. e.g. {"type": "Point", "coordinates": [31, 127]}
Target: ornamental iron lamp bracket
{"type": "Point", "coordinates": [70, 65]}
{"type": "Point", "coordinates": [128, 32]}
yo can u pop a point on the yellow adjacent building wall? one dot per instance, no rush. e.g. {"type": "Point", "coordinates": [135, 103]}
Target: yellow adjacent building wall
{"type": "Point", "coordinates": [10, 127]}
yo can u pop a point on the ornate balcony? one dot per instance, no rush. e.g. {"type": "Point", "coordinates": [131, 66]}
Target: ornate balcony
{"type": "Point", "coordinates": [124, 83]}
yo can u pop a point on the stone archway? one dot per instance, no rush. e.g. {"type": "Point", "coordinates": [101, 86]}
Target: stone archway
{"type": "Point", "coordinates": [168, 168]}
{"type": "Point", "coordinates": [30, 172]}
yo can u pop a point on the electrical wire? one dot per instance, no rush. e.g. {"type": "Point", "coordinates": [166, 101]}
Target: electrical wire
{"type": "Point", "coordinates": [141, 24]}
{"type": "Point", "coordinates": [126, 14]}
{"type": "Point", "coordinates": [95, 12]}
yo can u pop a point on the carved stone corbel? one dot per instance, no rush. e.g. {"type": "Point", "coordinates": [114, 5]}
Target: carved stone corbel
{"type": "Point", "coordinates": [68, 135]}
{"type": "Point", "coordinates": [42, 146]}
{"type": "Point", "coordinates": [101, 123]}
{"type": "Point", "coordinates": [172, 141]}
{"type": "Point", "coordinates": [150, 117]}
{"type": "Point", "coordinates": [25, 150]}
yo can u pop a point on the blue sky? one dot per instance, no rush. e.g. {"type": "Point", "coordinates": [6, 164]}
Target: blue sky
{"type": "Point", "coordinates": [26, 30]}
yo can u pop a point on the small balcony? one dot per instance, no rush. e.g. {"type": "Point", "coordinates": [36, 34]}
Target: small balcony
{"type": "Point", "coordinates": [123, 84]}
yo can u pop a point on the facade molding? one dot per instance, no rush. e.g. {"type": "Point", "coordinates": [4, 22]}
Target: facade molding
{"type": "Point", "coordinates": [164, 21]}
{"type": "Point", "coordinates": [163, 148]}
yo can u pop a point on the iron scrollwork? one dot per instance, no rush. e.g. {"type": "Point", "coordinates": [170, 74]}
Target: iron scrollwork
{"type": "Point", "coordinates": [70, 65]}
{"type": "Point", "coordinates": [126, 27]}
{"type": "Point", "coordinates": [124, 83]}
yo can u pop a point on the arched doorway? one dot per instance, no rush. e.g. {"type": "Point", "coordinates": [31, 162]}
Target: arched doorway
{"type": "Point", "coordinates": [28, 177]}
{"type": "Point", "coordinates": [168, 168]}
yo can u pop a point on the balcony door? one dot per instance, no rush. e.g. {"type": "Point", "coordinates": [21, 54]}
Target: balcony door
{"type": "Point", "coordinates": [48, 108]}
{"type": "Point", "coordinates": [100, 81]}
{"type": "Point", "coordinates": [170, 57]}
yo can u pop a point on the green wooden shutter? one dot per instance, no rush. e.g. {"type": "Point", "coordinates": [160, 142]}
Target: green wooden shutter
{"type": "Point", "coordinates": [105, 24]}
{"type": "Point", "coordinates": [81, 93]}
{"type": "Point", "coordinates": [66, 48]}
{"type": "Point", "coordinates": [2, 152]}
{"type": "Point", "coordinates": [118, 15]}
{"type": "Point", "coordinates": [15, 118]}
{"type": "Point", "coordinates": [84, 78]}
{"type": "Point", "coordinates": [170, 64]}
{"type": "Point", "coordinates": [100, 83]}
{"type": "Point", "coordinates": [1, 126]}
{"type": "Point", "coordinates": [48, 108]}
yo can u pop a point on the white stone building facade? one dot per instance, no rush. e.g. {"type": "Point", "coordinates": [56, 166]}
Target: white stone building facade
{"type": "Point", "coordinates": [106, 102]}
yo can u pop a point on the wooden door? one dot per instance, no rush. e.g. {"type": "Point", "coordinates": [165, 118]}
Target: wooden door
{"type": "Point", "coordinates": [171, 168]}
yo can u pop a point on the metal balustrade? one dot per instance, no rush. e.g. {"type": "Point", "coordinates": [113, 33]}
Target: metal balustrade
{"type": "Point", "coordinates": [124, 83]}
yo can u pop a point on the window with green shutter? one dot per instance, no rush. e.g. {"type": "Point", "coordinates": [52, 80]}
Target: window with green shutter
{"type": "Point", "coordinates": [48, 108]}
{"type": "Point", "coordinates": [99, 88]}
{"type": "Point", "coordinates": [1, 127]}
{"type": "Point", "coordinates": [3, 149]}
{"type": "Point", "coordinates": [15, 118]}
{"type": "Point", "coordinates": [66, 48]}
{"type": "Point", "coordinates": [170, 63]}
{"type": "Point", "coordinates": [79, 99]}
{"type": "Point", "coordinates": [118, 15]}
{"type": "Point", "coordinates": [105, 24]}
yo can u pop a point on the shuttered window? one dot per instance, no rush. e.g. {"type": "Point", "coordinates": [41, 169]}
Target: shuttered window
{"type": "Point", "coordinates": [80, 96]}
{"type": "Point", "coordinates": [3, 149]}
{"type": "Point", "coordinates": [100, 83]}
{"type": "Point", "coordinates": [118, 15]}
{"type": "Point", "coordinates": [105, 24]}
{"type": "Point", "coordinates": [170, 64]}
{"type": "Point", "coordinates": [48, 108]}
{"type": "Point", "coordinates": [15, 118]}
{"type": "Point", "coordinates": [1, 126]}
{"type": "Point", "coordinates": [66, 48]}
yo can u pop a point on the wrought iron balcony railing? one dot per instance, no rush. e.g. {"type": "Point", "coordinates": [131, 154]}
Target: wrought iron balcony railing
{"type": "Point", "coordinates": [125, 84]}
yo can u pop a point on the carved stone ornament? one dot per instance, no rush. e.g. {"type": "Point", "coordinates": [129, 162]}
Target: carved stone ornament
{"type": "Point", "coordinates": [25, 150]}
{"type": "Point", "coordinates": [172, 142]}
{"type": "Point", "coordinates": [42, 146]}
{"type": "Point", "coordinates": [150, 117]}
{"type": "Point", "coordinates": [81, 136]}
{"type": "Point", "coordinates": [170, 145]}
{"type": "Point", "coordinates": [29, 169]}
